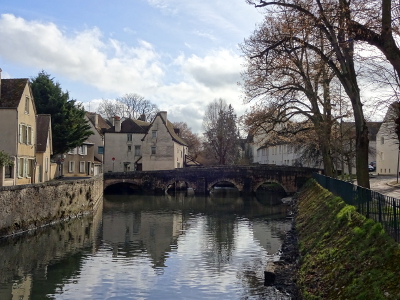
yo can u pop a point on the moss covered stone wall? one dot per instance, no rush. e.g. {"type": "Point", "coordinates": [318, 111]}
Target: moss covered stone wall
{"type": "Point", "coordinates": [343, 254]}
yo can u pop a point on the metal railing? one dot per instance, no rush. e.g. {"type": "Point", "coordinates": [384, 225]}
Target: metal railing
{"type": "Point", "coordinates": [371, 204]}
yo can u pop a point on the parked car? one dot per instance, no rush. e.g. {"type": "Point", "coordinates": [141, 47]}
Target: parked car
{"type": "Point", "coordinates": [371, 167]}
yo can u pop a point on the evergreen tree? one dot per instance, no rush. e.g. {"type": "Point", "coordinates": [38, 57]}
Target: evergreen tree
{"type": "Point", "coordinates": [69, 126]}
{"type": "Point", "coordinates": [221, 132]}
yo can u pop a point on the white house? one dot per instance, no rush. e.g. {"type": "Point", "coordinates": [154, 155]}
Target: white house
{"type": "Point", "coordinates": [138, 145]}
{"type": "Point", "coordinates": [387, 145]}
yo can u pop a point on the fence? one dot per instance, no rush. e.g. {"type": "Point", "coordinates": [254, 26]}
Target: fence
{"type": "Point", "coordinates": [373, 205]}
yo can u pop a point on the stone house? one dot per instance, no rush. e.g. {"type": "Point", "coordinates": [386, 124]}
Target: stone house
{"type": "Point", "coordinates": [18, 126]}
{"type": "Point", "coordinates": [87, 159]}
{"type": "Point", "coordinates": [163, 148]}
{"type": "Point", "coordinates": [139, 145]}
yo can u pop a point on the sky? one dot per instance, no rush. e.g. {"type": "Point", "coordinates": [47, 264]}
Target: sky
{"type": "Point", "coordinates": [179, 54]}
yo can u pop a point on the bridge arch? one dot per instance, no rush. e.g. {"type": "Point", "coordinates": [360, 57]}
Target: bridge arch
{"type": "Point", "coordinates": [213, 183]}
{"type": "Point", "coordinates": [172, 181]}
{"type": "Point", "coordinates": [260, 183]}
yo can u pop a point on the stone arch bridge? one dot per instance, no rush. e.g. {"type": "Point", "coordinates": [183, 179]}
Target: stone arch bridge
{"type": "Point", "coordinates": [202, 179]}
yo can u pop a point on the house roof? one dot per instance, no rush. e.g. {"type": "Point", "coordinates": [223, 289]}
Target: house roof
{"type": "Point", "coordinates": [373, 128]}
{"type": "Point", "coordinates": [131, 126]}
{"type": "Point", "coordinates": [170, 128]}
{"type": "Point", "coordinates": [102, 125]}
{"type": "Point", "coordinates": [43, 123]}
{"type": "Point", "coordinates": [12, 91]}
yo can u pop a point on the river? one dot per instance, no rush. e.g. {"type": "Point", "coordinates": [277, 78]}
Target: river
{"type": "Point", "coordinates": [150, 247]}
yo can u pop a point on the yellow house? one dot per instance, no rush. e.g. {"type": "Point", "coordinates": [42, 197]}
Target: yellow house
{"type": "Point", "coordinates": [18, 128]}
{"type": "Point", "coordinates": [45, 170]}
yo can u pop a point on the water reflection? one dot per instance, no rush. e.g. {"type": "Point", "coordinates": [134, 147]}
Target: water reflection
{"type": "Point", "coordinates": [146, 247]}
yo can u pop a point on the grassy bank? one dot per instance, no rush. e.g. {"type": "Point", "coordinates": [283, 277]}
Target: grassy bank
{"type": "Point", "coordinates": [343, 254]}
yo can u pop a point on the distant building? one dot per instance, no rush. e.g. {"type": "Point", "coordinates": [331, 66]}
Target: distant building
{"type": "Point", "coordinates": [138, 145]}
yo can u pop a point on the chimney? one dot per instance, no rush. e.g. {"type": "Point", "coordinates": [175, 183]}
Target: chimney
{"type": "Point", "coordinates": [117, 122]}
{"type": "Point", "coordinates": [94, 118]}
{"type": "Point", "coordinates": [163, 115]}
{"type": "Point", "coordinates": [142, 117]}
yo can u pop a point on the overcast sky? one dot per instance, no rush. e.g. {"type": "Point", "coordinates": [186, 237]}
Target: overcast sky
{"type": "Point", "coordinates": [179, 54]}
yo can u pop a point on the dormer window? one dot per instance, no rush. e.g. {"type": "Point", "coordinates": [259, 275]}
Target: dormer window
{"type": "Point", "coordinates": [27, 105]}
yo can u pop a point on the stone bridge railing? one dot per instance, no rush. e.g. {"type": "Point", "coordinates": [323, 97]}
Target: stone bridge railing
{"type": "Point", "coordinates": [201, 179]}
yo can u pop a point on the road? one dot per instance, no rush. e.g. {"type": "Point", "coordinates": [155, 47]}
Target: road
{"type": "Point", "coordinates": [386, 185]}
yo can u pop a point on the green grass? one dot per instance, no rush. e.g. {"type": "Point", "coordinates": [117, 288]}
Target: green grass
{"type": "Point", "coordinates": [344, 255]}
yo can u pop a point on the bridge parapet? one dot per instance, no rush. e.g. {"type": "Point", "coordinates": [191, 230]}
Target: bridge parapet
{"type": "Point", "coordinates": [246, 178]}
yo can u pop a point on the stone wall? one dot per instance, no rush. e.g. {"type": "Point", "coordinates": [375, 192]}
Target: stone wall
{"type": "Point", "coordinates": [30, 206]}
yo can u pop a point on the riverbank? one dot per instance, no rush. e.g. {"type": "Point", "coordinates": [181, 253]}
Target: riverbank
{"type": "Point", "coordinates": [26, 207]}
{"type": "Point", "coordinates": [340, 254]}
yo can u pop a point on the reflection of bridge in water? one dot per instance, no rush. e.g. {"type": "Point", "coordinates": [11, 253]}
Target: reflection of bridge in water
{"type": "Point", "coordinates": [247, 179]}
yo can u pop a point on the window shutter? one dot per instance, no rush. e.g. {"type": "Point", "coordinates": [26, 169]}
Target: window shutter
{"type": "Point", "coordinates": [20, 134]}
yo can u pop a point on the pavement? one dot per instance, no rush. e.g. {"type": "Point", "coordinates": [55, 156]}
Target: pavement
{"type": "Point", "coordinates": [386, 185]}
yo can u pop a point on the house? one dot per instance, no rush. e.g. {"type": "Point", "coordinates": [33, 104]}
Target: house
{"type": "Point", "coordinates": [162, 148]}
{"type": "Point", "coordinates": [79, 161]}
{"type": "Point", "coordinates": [280, 152]}
{"type": "Point", "coordinates": [123, 145]}
{"type": "Point", "coordinates": [46, 170]}
{"type": "Point", "coordinates": [87, 159]}
{"type": "Point", "coordinates": [387, 144]}
{"type": "Point", "coordinates": [138, 145]}
{"type": "Point", "coordinates": [18, 126]}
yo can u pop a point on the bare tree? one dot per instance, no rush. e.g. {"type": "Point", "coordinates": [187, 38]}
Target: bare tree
{"type": "Point", "coordinates": [193, 139]}
{"type": "Point", "coordinates": [327, 20]}
{"type": "Point", "coordinates": [131, 106]}
{"type": "Point", "coordinates": [292, 81]}
{"type": "Point", "coordinates": [221, 133]}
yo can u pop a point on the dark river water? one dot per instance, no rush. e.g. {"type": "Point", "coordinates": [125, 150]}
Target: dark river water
{"type": "Point", "coordinates": [150, 247]}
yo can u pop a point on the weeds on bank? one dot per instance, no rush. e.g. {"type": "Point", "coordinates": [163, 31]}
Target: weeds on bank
{"type": "Point", "coordinates": [344, 255]}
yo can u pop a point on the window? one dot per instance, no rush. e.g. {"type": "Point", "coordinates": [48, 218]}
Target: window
{"type": "Point", "coordinates": [72, 151]}
{"type": "Point", "coordinates": [127, 166]}
{"type": "Point", "coordinates": [153, 149]}
{"type": "Point", "coordinates": [82, 150]}
{"type": "Point", "coordinates": [382, 140]}
{"type": "Point", "coordinates": [81, 167]}
{"type": "Point", "coordinates": [23, 134]}
{"type": "Point", "coordinates": [20, 167]}
{"type": "Point", "coordinates": [154, 134]}
{"type": "Point", "coordinates": [29, 167]}
{"type": "Point", "coordinates": [47, 165]}
{"type": "Point", "coordinates": [71, 166]}
{"type": "Point", "coordinates": [129, 137]}
{"type": "Point", "coordinates": [129, 148]}
{"type": "Point", "coordinates": [8, 171]}
{"type": "Point", "coordinates": [100, 149]}
{"type": "Point", "coordinates": [178, 165]}
{"type": "Point", "coordinates": [27, 105]}
{"type": "Point", "coordinates": [137, 150]}
{"type": "Point", "coordinates": [29, 135]}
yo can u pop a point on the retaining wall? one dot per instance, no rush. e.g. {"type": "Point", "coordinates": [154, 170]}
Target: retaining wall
{"type": "Point", "coordinates": [25, 207]}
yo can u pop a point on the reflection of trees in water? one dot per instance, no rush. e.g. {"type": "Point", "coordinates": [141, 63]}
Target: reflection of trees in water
{"type": "Point", "coordinates": [220, 244]}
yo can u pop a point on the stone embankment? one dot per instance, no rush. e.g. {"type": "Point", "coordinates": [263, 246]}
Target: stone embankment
{"type": "Point", "coordinates": [26, 207]}
{"type": "Point", "coordinates": [333, 252]}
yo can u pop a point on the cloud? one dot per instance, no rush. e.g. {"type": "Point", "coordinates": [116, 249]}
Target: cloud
{"type": "Point", "coordinates": [115, 68]}
{"type": "Point", "coordinates": [219, 68]}
{"type": "Point", "coordinates": [205, 35]}
{"type": "Point", "coordinates": [109, 65]}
